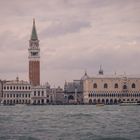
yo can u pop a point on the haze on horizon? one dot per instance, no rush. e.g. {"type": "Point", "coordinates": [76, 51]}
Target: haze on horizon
{"type": "Point", "coordinates": [74, 36]}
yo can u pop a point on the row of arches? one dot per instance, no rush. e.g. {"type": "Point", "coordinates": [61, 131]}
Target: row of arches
{"type": "Point", "coordinates": [10, 95]}
{"type": "Point", "coordinates": [41, 101]}
{"type": "Point", "coordinates": [12, 102]}
{"type": "Point", "coordinates": [116, 85]}
{"type": "Point", "coordinates": [16, 87]}
{"type": "Point", "coordinates": [114, 95]}
{"type": "Point", "coordinates": [109, 101]}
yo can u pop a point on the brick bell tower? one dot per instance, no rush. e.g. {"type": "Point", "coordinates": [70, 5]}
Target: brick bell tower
{"type": "Point", "coordinates": [34, 57]}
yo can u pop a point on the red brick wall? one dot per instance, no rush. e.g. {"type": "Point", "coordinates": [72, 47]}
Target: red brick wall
{"type": "Point", "coordinates": [34, 72]}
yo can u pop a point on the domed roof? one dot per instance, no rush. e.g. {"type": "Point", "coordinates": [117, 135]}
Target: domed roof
{"type": "Point", "coordinates": [85, 76]}
{"type": "Point", "coordinates": [47, 85]}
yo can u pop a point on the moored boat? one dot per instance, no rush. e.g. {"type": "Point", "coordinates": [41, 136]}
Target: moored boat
{"type": "Point", "coordinates": [129, 103]}
{"type": "Point", "coordinates": [99, 104]}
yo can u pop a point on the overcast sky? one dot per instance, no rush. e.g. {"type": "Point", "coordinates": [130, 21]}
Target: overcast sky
{"type": "Point", "coordinates": [75, 35]}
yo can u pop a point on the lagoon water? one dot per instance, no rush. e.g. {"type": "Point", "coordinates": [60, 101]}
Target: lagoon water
{"type": "Point", "coordinates": [70, 122]}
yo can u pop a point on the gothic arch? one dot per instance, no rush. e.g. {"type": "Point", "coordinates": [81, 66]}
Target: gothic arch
{"type": "Point", "coordinates": [116, 85]}
{"type": "Point", "coordinates": [105, 85]}
{"type": "Point", "coordinates": [133, 85]}
{"type": "Point", "coordinates": [94, 85]}
{"type": "Point", "coordinates": [90, 101]}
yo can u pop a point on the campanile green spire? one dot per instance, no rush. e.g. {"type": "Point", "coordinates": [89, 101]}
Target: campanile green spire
{"type": "Point", "coordinates": [34, 33]}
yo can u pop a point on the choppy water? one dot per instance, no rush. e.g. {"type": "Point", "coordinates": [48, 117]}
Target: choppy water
{"type": "Point", "coordinates": [70, 122]}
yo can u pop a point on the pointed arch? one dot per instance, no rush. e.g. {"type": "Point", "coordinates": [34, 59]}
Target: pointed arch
{"type": "Point", "coordinates": [133, 85]}
{"type": "Point", "coordinates": [105, 85]}
{"type": "Point", "coordinates": [116, 85]}
{"type": "Point", "coordinates": [94, 85]}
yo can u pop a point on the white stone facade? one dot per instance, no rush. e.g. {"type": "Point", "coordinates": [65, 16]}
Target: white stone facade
{"type": "Point", "coordinates": [44, 94]}
{"type": "Point", "coordinates": [41, 95]}
{"type": "Point", "coordinates": [111, 89]}
{"type": "Point", "coordinates": [21, 92]}
{"type": "Point", "coordinates": [16, 92]}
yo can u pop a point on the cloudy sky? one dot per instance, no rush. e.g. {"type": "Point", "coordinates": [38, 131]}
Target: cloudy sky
{"type": "Point", "coordinates": [75, 35]}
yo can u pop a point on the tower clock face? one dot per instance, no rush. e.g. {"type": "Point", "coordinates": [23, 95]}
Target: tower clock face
{"type": "Point", "coordinates": [34, 53]}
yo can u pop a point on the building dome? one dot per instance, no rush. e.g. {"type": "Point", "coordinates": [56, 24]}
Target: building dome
{"type": "Point", "coordinates": [47, 85]}
{"type": "Point", "coordinates": [85, 76]}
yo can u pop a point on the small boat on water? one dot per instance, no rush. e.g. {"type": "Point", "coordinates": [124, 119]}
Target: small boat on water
{"type": "Point", "coordinates": [129, 103]}
{"type": "Point", "coordinates": [99, 104]}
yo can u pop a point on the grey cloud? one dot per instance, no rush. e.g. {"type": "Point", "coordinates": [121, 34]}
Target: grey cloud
{"type": "Point", "coordinates": [60, 28]}
{"type": "Point", "coordinates": [9, 41]}
{"type": "Point", "coordinates": [81, 34]}
{"type": "Point", "coordinates": [110, 58]}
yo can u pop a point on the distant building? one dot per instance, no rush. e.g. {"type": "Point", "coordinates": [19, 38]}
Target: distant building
{"type": "Point", "coordinates": [1, 90]}
{"type": "Point", "coordinates": [41, 95]}
{"type": "Point", "coordinates": [73, 91]}
{"type": "Point", "coordinates": [23, 92]}
{"type": "Point", "coordinates": [111, 89]}
{"type": "Point", "coordinates": [16, 92]}
{"type": "Point", "coordinates": [34, 58]}
{"type": "Point", "coordinates": [58, 95]}
{"type": "Point", "coordinates": [44, 94]}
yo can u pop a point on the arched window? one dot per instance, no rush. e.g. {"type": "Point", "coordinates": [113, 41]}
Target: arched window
{"type": "Point", "coordinates": [34, 93]}
{"type": "Point", "coordinates": [38, 93]}
{"type": "Point", "coordinates": [90, 101]}
{"type": "Point", "coordinates": [116, 85]}
{"type": "Point", "coordinates": [94, 85]}
{"type": "Point", "coordinates": [105, 85]}
{"type": "Point", "coordinates": [98, 100]}
{"type": "Point", "coordinates": [47, 101]}
{"type": "Point", "coordinates": [133, 85]}
{"type": "Point", "coordinates": [94, 101]}
{"type": "Point", "coordinates": [124, 87]}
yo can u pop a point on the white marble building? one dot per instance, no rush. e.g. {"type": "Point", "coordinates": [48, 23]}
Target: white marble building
{"type": "Point", "coordinates": [16, 92]}
{"type": "Point", "coordinates": [42, 94]}
{"type": "Point", "coordinates": [21, 92]}
{"type": "Point", "coordinates": [111, 89]}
